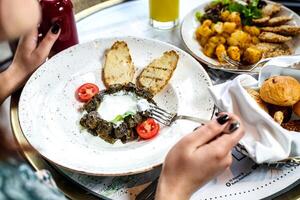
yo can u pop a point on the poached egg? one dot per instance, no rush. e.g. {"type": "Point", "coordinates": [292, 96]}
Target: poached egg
{"type": "Point", "coordinates": [116, 104]}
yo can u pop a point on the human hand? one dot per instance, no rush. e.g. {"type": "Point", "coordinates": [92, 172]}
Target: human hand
{"type": "Point", "coordinates": [199, 157]}
{"type": "Point", "coordinates": [29, 56]}
{"type": "Point", "coordinates": [17, 17]}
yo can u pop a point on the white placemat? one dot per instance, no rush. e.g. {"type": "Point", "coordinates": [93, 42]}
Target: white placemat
{"type": "Point", "coordinates": [243, 180]}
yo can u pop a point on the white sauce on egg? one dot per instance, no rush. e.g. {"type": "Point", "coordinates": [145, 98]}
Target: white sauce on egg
{"type": "Point", "coordinates": [117, 104]}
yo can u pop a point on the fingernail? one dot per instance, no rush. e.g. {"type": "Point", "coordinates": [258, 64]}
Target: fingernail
{"type": "Point", "coordinates": [198, 127]}
{"type": "Point", "coordinates": [217, 114]}
{"type": "Point", "coordinates": [55, 28]}
{"type": "Point", "coordinates": [234, 126]}
{"type": "Point", "coordinates": [223, 119]}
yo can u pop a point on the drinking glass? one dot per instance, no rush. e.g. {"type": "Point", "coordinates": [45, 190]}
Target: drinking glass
{"type": "Point", "coordinates": [164, 14]}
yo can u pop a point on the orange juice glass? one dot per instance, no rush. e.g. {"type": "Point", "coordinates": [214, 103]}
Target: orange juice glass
{"type": "Point", "coordinates": [164, 14]}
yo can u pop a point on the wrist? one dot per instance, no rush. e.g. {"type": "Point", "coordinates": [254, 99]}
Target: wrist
{"type": "Point", "coordinates": [171, 190]}
{"type": "Point", "coordinates": [7, 86]}
{"type": "Point", "coordinates": [16, 77]}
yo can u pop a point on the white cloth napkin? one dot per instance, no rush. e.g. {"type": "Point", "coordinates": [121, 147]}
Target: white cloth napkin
{"type": "Point", "coordinates": [265, 140]}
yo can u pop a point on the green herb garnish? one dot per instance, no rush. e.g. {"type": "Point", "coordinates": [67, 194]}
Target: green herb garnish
{"type": "Point", "coordinates": [248, 12]}
{"type": "Point", "coordinates": [120, 118]}
{"type": "Point", "coordinates": [199, 16]}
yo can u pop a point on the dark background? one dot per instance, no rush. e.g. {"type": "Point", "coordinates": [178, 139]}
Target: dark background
{"type": "Point", "coordinates": [292, 4]}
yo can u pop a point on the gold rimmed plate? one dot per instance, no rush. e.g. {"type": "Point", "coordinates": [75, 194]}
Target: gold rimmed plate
{"type": "Point", "coordinates": [48, 110]}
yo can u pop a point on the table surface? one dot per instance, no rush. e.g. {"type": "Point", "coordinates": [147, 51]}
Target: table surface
{"type": "Point", "coordinates": [89, 30]}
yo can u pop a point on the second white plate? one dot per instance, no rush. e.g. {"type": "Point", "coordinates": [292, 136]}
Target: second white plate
{"type": "Point", "coordinates": [190, 24]}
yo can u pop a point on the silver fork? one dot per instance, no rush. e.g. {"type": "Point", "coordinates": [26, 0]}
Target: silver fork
{"type": "Point", "coordinates": [167, 118]}
{"type": "Point", "coordinates": [244, 68]}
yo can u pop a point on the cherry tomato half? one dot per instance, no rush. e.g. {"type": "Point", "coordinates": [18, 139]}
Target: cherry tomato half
{"type": "Point", "coordinates": [85, 92]}
{"type": "Point", "coordinates": [147, 129]}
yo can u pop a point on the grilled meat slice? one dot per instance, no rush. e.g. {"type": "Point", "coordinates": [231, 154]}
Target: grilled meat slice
{"type": "Point", "coordinates": [277, 21]}
{"type": "Point", "coordinates": [271, 9]}
{"type": "Point", "coordinates": [261, 21]}
{"type": "Point", "coordinates": [283, 30]}
{"type": "Point", "coordinates": [273, 37]}
{"type": "Point", "coordinates": [273, 50]}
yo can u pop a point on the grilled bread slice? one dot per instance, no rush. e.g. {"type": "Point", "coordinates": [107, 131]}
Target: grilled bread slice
{"type": "Point", "coordinates": [158, 73]}
{"type": "Point", "coordinates": [118, 67]}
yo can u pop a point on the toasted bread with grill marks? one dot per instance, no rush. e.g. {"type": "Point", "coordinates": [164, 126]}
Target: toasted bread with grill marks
{"type": "Point", "coordinates": [118, 67]}
{"type": "Point", "coordinates": [158, 73]}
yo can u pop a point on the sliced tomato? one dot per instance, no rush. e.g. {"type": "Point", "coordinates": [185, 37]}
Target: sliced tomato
{"type": "Point", "coordinates": [85, 92]}
{"type": "Point", "coordinates": [148, 129]}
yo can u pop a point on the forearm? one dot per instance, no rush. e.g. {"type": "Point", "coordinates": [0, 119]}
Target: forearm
{"type": "Point", "coordinates": [170, 191]}
{"type": "Point", "coordinates": [4, 85]}
{"type": "Point", "coordinates": [11, 80]}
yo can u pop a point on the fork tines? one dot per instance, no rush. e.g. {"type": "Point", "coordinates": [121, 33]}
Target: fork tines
{"type": "Point", "coordinates": [232, 62]}
{"type": "Point", "coordinates": [161, 115]}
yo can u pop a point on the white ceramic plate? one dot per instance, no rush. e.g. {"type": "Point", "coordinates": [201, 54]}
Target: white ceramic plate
{"type": "Point", "coordinates": [190, 24]}
{"type": "Point", "coordinates": [49, 118]}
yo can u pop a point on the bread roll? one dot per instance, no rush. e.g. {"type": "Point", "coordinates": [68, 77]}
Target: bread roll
{"type": "Point", "coordinates": [296, 108]}
{"type": "Point", "coordinates": [281, 91]}
{"type": "Point", "coordinates": [255, 95]}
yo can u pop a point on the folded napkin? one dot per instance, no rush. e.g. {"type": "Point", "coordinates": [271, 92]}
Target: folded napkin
{"type": "Point", "coordinates": [265, 140]}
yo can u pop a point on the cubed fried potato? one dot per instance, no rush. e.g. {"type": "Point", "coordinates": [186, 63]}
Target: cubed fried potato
{"type": "Point", "coordinates": [214, 39]}
{"type": "Point", "coordinates": [218, 27]}
{"type": "Point", "coordinates": [202, 40]}
{"type": "Point", "coordinates": [221, 52]}
{"type": "Point", "coordinates": [209, 49]}
{"type": "Point", "coordinates": [252, 55]}
{"type": "Point", "coordinates": [252, 30]}
{"type": "Point", "coordinates": [203, 31]}
{"type": "Point", "coordinates": [231, 41]}
{"type": "Point", "coordinates": [255, 40]}
{"type": "Point", "coordinates": [222, 40]}
{"type": "Point", "coordinates": [207, 22]}
{"type": "Point", "coordinates": [239, 38]}
{"type": "Point", "coordinates": [217, 39]}
{"type": "Point", "coordinates": [224, 15]}
{"type": "Point", "coordinates": [198, 32]}
{"type": "Point", "coordinates": [225, 35]}
{"type": "Point", "coordinates": [235, 17]}
{"type": "Point", "coordinates": [229, 27]}
{"type": "Point", "coordinates": [234, 53]}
